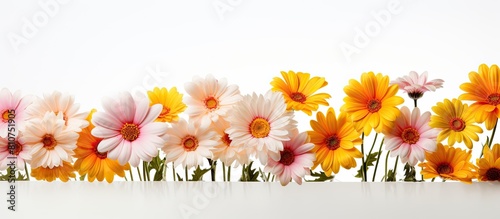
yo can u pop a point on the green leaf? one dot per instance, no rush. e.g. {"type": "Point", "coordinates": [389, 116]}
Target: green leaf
{"type": "Point", "coordinates": [179, 178]}
{"type": "Point", "coordinates": [82, 177]}
{"type": "Point", "coordinates": [320, 177]}
{"type": "Point", "coordinates": [158, 165]}
{"type": "Point", "coordinates": [369, 162]}
{"type": "Point", "coordinates": [249, 174]}
{"type": "Point", "coordinates": [20, 177]}
{"type": "Point", "coordinates": [410, 173]}
{"type": "Point", "coordinates": [391, 176]}
{"type": "Point", "coordinates": [198, 174]}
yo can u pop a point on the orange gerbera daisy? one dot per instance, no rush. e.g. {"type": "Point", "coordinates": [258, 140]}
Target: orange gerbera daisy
{"type": "Point", "coordinates": [448, 163]}
{"type": "Point", "coordinates": [371, 103]}
{"type": "Point", "coordinates": [171, 100]}
{"type": "Point", "coordinates": [484, 89]}
{"type": "Point", "coordinates": [456, 121]}
{"type": "Point", "coordinates": [298, 90]}
{"type": "Point", "coordinates": [63, 172]}
{"type": "Point", "coordinates": [92, 162]}
{"type": "Point", "coordinates": [489, 165]}
{"type": "Point", "coordinates": [334, 140]}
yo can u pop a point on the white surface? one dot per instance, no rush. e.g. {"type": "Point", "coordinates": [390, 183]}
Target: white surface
{"type": "Point", "coordinates": [253, 200]}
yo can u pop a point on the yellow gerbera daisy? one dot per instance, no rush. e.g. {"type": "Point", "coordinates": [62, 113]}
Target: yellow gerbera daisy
{"type": "Point", "coordinates": [298, 90]}
{"type": "Point", "coordinates": [448, 163]}
{"type": "Point", "coordinates": [371, 103]}
{"type": "Point", "coordinates": [455, 120]}
{"type": "Point", "coordinates": [171, 100]}
{"type": "Point", "coordinates": [334, 140]}
{"type": "Point", "coordinates": [484, 89]}
{"type": "Point", "coordinates": [63, 172]}
{"type": "Point", "coordinates": [93, 163]}
{"type": "Point", "coordinates": [489, 165]}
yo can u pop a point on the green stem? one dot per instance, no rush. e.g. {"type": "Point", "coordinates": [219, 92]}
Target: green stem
{"type": "Point", "coordinates": [386, 162]}
{"type": "Point", "coordinates": [268, 176]}
{"type": "Point", "coordinates": [272, 180]}
{"type": "Point", "coordinates": [373, 145]}
{"type": "Point", "coordinates": [26, 169]}
{"type": "Point", "coordinates": [173, 171]}
{"type": "Point", "coordinates": [125, 176]}
{"type": "Point", "coordinates": [378, 159]}
{"type": "Point", "coordinates": [223, 171]}
{"type": "Point", "coordinates": [415, 102]}
{"type": "Point", "coordinates": [229, 173]}
{"type": "Point", "coordinates": [491, 138]}
{"type": "Point", "coordinates": [243, 177]}
{"type": "Point", "coordinates": [139, 172]}
{"type": "Point", "coordinates": [131, 174]}
{"type": "Point", "coordinates": [396, 166]}
{"type": "Point", "coordinates": [433, 179]}
{"type": "Point", "coordinates": [213, 165]}
{"type": "Point", "coordinates": [186, 173]}
{"type": "Point", "coordinates": [363, 166]}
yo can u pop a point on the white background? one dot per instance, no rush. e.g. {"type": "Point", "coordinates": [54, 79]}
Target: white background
{"type": "Point", "coordinates": [92, 49]}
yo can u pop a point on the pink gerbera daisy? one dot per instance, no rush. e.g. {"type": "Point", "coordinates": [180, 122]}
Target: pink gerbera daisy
{"type": "Point", "coordinates": [210, 98]}
{"type": "Point", "coordinates": [295, 161]}
{"type": "Point", "coordinates": [225, 150]}
{"type": "Point", "coordinates": [127, 129]}
{"type": "Point", "coordinates": [411, 136]}
{"type": "Point", "coordinates": [416, 85]}
{"type": "Point", "coordinates": [13, 106]}
{"type": "Point", "coordinates": [189, 144]}
{"type": "Point", "coordinates": [18, 150]}
{"type": "Point", "coordinates": [58, 102]}
{"type": "Point", "coordinates": [261, 121]}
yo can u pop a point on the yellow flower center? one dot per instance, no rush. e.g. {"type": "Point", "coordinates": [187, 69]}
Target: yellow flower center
{"type": "Point", "coordinates": [260, 128]}
{"type": "Point", "coordinates": [211, 103]}
{"type": "Point", "coordinates": [5, 115]}
{"type": "Point", "coordinates": [190, 143]}
{"type": "Point", "coordinates": [49, 142]}
{"type": "Point", "coordinates": [164, 112]}
{"type": "Point", "coordinates": [410, 135]}
{"type": "Point", "coordinates": [332, 142]}
{"type": "Point", "coordinates": [373, 105]}
{"type": "Point", "coordinates": [225, 139]}
{"type": "Point", "coordinates": [493, 174]}
{"type": "Point", "coordinates": [494, 99]}
{"type": "Point", "coordinates": [298, 97]}
{"type": "Point", "coordinates": [130, 132]}
{"type": "Point", "coordinates": [457, 124]}
{"type": "Point", "coordinates": [287, 157]}
{"type": "Point", "coordinates": [444, 168]}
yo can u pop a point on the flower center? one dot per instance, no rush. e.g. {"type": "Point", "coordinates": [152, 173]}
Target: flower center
{"type": "Point", "coordinates": [287, 157]}
{"type": "Point", "coordinates": [298, 97]}
{"type": "Point", "coordinates": [211, 103]}
{"type": "Point", "coordinates": [493, 174]}
{"type": "Point", "coordinates": [130, 132]}
{"type": "Point", "coordinates": [260, 128]}
{"type": "Point", "coordinates": [164, 112]}
{"type": "Point", "coordinates": [225, 139]}
{"type": "Point", "coordinates": [457, 124]}
{"type": "Point", "coordinates": [410, 135]}
{"type": "Point", "coordinates": [332, 142]}
{"type": "Point", "coordinates": [374, 105]}
{"type": "Point", "coordinates": [444, 168]}
{"type": "Point", "coordinates": [494, 99]}
{"type": "Point", "coordinates": [5, 115]}
{"type": "Point", "coordinates": [415, 95]}
{"type": "Point", "coordinates": [18, 149]}
{"type": "Point", "coordinates": [190, 143]}
{"type": "Point", "coordinates": [49, 142]}
{"type": "Point", "coordinates": [96, 152]}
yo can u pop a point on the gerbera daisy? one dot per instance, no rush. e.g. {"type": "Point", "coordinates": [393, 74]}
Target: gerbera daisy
{"type": "Point", "coordinates": [171, 100]}
{"type": "Point", "coordinates": [411, 136]}
{"type": "Point", "coordinates": [484, 89]}
{"type": "Point", "coordinates": [489, 164]}
{"type": "Point", "coordinates": [62, 172]}
{"type": "Point", "coordinates": [371, 103]}
{"type": "Point", "coordinates": [50, 141]}
{"type": "Point", "coordinates": [13, 106]}
{"type": "Point", "coordinates": [298, 90]}
{"type": "Point", "coordinates": [456, 121]}
{"type": "Point", "coordinates": [59, 103]}
{"type": "Point", "coordinates": [448, 163]}
{"type": "Point", "coordinates": [20, 149]}
{"type": "Point", "coordinates": [416, 85]}
{"type": "Point", "coordinates": [334, 142]}
{"type": "Point", "coordinates": [127, 129]}
{"type": "Point", "coordinates": [93, 163]}
{"type": "Point", "coordinates": [210, 98]}
{"type": "Point", "coordinates": [295, 160]}
{"type": "Point", "coordinates": [224, 151]}
{"type": "Point", "coordinates": [261, 121]}
{"type": "Point", "coordinates": [189, 144]}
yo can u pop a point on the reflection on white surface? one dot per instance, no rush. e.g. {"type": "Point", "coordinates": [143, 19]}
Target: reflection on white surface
{"type": "Point", "coordinates": [250, 200]}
